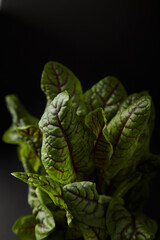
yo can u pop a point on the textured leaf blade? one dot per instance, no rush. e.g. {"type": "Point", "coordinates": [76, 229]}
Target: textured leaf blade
{"type": "Point", "coordinates": [57, 78]}
{"type": "Point", "coordinates": [20, 118]}
{"type": "Point", "coordinates": [46, 184]}
{"type": "Point", "coordinates": [67, 142]}
{"type": "Point", "coordinates": [127, 184]}
{"type": "Point", "coordinates": [122, 225]}
{"type": "Point", "coordinates": [107, 94]}
{"type": "Point", "coordinates": [82, 201]}
{"type": "Point", "coordinates": [29, 159]}
{"type": "Point", "coordinates": [103, 150]}
{"type": "Point", "coordinates": [45, 221]}
{"type": "Point", "coordinates": [33, 136]}
{"type": "Point", "coordinates": [124, 131]}
{"type": "Point", "coordinates": [92, 233]}
{"type": "Point", "coordinates": [24, 227]}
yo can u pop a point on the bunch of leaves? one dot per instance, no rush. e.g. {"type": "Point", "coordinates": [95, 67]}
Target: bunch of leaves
{"type": "Point", "coordinates": [87, 161]}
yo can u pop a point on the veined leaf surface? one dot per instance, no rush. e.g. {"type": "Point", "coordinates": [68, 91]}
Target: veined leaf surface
{"type": "Point", "coordinates": [124, 131]}
{"type": "Point", "coordinates": [92, 233]}
{"type": "Point", "coordinates": [24, 227]}
{"type": "Point", "coordinates": [127, 184]}
{"type": "Point", "coordinates": [67, 142]}
{"type": "Point", "coordinates": [33, 136]}
{"type": "Point", "coordinates": [57, 78]}
{"type": "Point", "coordinates": [20, 118]}
{"type": "Point", "coordinates": [107, 94]}
{"type": "Point", "coordinates": [82, 201]}
{"type": "Point", "coordinates": [123, 226]}
{"type": "Point", "coordinates": [29, 159]}
{"type": "Point", "coordinates": [46, 184]}
{"type": "Point", "coordinates": [45, 221]}
{"type": "Point", "coordinates": [96, 121]}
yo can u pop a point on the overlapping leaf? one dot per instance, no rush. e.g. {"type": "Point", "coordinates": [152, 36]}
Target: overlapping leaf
{"type": "Point", "coordinates": [24, 227]}
{"type": "Point", "coordinates": [124, 131]}
{"type": "Point", "coordinates": [67, 142]}
{"type": "Point", "coordinates": [20, 118]}
{"type": "Point", "coordinates": [96, 121]}
{"type": "Point", "coordinates": [33, 136]}
{"type": "Point", "coordinates": [29, 159]}
{"type": "Point", "coordinates": [127, 184]}
{"type": "Point", "coordinates": [83, 202]}
{"type": "Point", "coordinates": [122, 225]}
{"type": "Point", "coordinates": [92, 233]}
{"type": "Point", "coordinates": [45, 221]}
{"type": "Point", "coordinates": [57, 78]}
{"type": "Point", "coordinates": [45, 183]}
{"type": "Point", "coordinates": [107, 94]}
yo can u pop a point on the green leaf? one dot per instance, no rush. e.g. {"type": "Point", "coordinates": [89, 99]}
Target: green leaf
{"type": "Point", "coordinates": [124, 131]}
{"type": "Point", "coordinates": [57, 78]}
{"type": "Point", "coordinates": [107, 94]}
{"type": "Point", "coordinates": [122, 225]}
{"type": "Point", "coordinates": [33, 136]}
{"type": "Point", "coordinates": [82, 201]}
{"type": "Point", "coordinates": [44, 198]}
{"type": "Point", "coordinates": [103, 150]}
{"type": "Point", "coordinates": [92, 233]}
{"type": "Point", "coordinates": [131, 99]}
{"type": "Point", "coordinates": [45, 221]}
{"type": "Point", "coordinates": [142, 149]}
{"type": "Point", "coordinates": [67, 142]}
{"type": "Point", "coordinates": [24, 227]}
{"type": "Point", "coordinates": [20, 118]}
{"type": "Point", "coordinates": [29, 159]}
{"type": "Point", "coordinates": [46, 184]}
{"type": "Point", "coordinates": [137, 196]}
{"type": "Point", "coordinates": [127, 184]}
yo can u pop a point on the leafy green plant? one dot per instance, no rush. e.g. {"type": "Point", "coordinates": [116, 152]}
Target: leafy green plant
{"type": "Point", "coordinates": [87, 161]}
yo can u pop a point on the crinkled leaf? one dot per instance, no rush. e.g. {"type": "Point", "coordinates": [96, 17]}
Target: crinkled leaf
{"type": "Point", "coordinates": [24, 227]}
{"type": "Point", "coordinates": [131, 99]}
{"type": "Point", "coordinates": [45, 183]}
{"type": "Point", "coordinates": [67, 142]}
{"type": "Point", "coordinates": [33, 136]}
{"type": "Point", "coordinates": [82, 201]}
{"type": "Point", "coordinates": [44, 198]}
{"type": "Point", "coordinates": [142, 150]}
{"type": "Point", "coordinates": [124, 131]}
{"type": "Point", "coordinates": [107, 94]}
{"type": "Point", "coordinates": [29, 159]}
{"type": "Point", "coordinates": [92, 233]}
{"type": "Point", "coordinates": [57, 78]}
{"type": "Point", "coordinates": [127, 184]}
{"type": "Point", "coordinates": [122, 225]}
{"type": "Point", "coordinates": [103, 150]}
{"type": "Point", "coordinates": [20, 118]}
{"type": "Point", "coordinates": [45, 221]}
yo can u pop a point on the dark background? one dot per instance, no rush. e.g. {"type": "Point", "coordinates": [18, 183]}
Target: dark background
{"type": "Point", "coordinates": [94, 39]}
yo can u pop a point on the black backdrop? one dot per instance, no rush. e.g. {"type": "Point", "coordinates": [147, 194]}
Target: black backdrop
{"type": "Point", "coordinates": [94, 39]}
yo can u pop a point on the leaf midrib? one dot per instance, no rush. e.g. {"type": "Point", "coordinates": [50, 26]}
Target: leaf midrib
{"type": "Point", "coordinates": [68, 143]}
{"type": "Point", "coordinates": [123, 127]}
